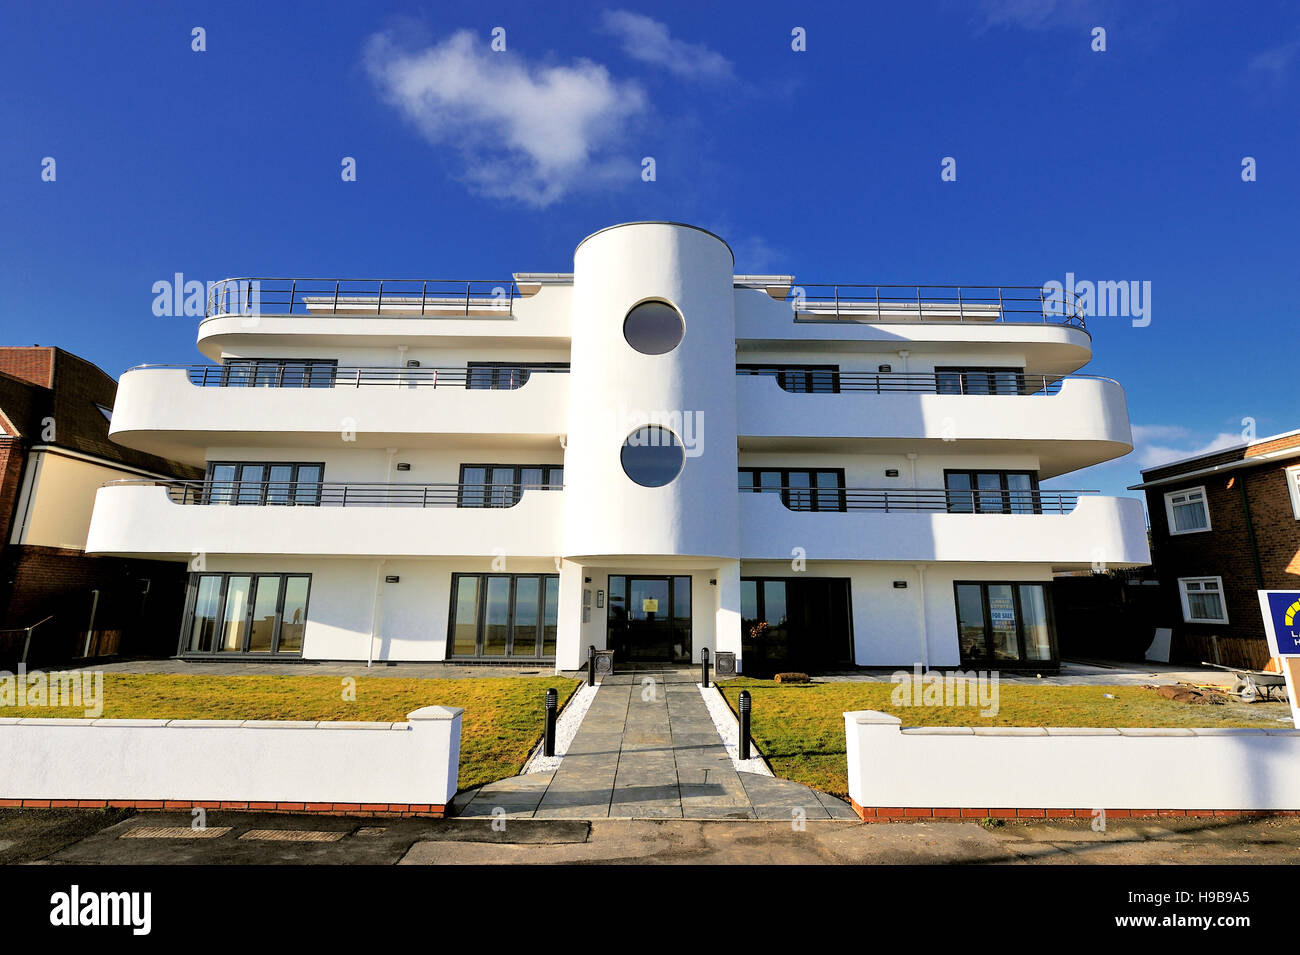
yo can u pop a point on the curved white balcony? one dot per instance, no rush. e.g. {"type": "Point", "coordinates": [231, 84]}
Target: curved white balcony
{"type": "Point", "coordinates": [142, 519]}
{"type": "Point", "coordinates": [1094, 531]}
{"type": "Point", "coordinates": [1068, 423]}
{"type": "Point", "coordinates": [162, 410]}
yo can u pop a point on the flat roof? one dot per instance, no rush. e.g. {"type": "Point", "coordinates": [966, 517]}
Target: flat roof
{"type": "Point", "coordinates": [1217, 451]}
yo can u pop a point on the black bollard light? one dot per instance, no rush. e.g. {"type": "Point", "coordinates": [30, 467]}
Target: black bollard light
{"type": "Point", "coordinates": [704, 667]}
{"type": "Point", "coordinates": [744, 724]}
{"type": "Point", "coordinates": [591, 665]}
{"type": "Point", "coordinates": [552, 702]}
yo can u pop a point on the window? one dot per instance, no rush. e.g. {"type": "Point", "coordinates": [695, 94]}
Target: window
{"type": "Point", "coordinates": [501, 485]}
{"type": "Point", "coordinates": [279, 372]}
{"type": "Point", "coordinates": [1187, 511]}
{"type": "Point", "coordinates": [802, 379]}
{"type": "Point", "coordinates": [992, 492]}
{"type": "Point", "coordinates": [653, 328]}
{"type": "Point", "coordinates": [1293, 485]}
{"type": "Point", "coordinates": [801, 489]}
{"type": "Point", "coordinates": [652, 456]}
{"type": "Point", "coordinates": [504, 375]}
{"type": "Point", "coordinates": [979, 381]}
{"type": "Point", "coordinates": [106, 411]}
{"type": "Point", "coordinates": [1005, 623]}
{"type": "Point", "coordinates": [263, 482]}
{"type": "Point", "coordinates": [802, 622]}
{"type": "Point", "coordinates": [245, 613]}
{"type": "Point", "coordinates": [1202, 599]}
{"type": "Point", "coordinates": [503, 616]}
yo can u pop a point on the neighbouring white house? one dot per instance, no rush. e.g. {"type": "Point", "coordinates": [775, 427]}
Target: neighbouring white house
{"type": "Point", "coordinates": [652, 455]}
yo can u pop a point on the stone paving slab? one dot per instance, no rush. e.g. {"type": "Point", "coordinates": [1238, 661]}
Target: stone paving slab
{"type": "Point", "coordinates": [649, 751]}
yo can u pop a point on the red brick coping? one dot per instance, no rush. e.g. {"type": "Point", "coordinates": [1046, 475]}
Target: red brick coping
{"type": "Point", "coordinates": [895, 814]}
{"type": "Point", "coordinates": [163, 805]}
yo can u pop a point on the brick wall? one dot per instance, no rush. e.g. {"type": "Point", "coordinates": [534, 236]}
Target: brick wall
{"type": "Point", "coordinates": [12, 457]}
{"type": "Point", "coordinates": [32, 364]}
{"type": "Point", "coordinates": [1225, 551]}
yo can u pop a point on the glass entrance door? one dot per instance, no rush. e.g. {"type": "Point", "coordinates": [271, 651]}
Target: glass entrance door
{"type": "Point", "coordinates": [649, 619]}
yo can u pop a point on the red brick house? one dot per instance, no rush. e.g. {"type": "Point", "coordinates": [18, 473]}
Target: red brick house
{"type": "Point", "coordinates": [1224, 525]}
{"type": "Point", "coordinates": [54, 454]}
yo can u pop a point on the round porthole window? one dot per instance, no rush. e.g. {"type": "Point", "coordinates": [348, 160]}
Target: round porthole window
{"type": "Point", "coordinates": [654, 328]}
{"type": "Point", "coordinates": [652, 456]}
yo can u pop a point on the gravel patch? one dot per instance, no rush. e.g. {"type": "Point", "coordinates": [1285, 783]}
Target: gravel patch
{"type": "Point", "coordinates": [729, 729]}
{"type": "Point", "coordinates": [566, 728]}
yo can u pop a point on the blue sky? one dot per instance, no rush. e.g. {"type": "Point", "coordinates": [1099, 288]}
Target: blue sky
{"type": "Point", "coordinates": [1123, 165]}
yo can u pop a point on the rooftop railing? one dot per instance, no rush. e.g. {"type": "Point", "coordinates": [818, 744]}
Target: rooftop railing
{"type": "Point", "coordinates": [252, 374]}
{"type": "Point", "coordinates": [328, 494]}
{"type": "Point", "coordinates": [940, 500]}
{"type": "Point", "coordinates": [826, 381]}
{"type": "Point", "coordinates": [394, 298]}
{"type": "Point", "coordinates": [936, 303]}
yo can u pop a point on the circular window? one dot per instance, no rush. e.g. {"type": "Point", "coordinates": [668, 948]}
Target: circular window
{"type": "Point", "coordinates": [652, 456]}
{"type": "Point", "coordinates": [653, 328]}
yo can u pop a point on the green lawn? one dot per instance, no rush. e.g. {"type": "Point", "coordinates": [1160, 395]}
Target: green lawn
{"type": "Point", "coordinates": [800, 727]}
{"type": "Point", "coordinates": [502, 723]}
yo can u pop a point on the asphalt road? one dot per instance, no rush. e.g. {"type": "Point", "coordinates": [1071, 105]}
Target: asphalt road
{"type": "Point", "coordinates": [104, 838]}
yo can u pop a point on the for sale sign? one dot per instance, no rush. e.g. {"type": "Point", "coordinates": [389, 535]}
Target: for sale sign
{"type": "Point", "coordinates": [1281, 610]}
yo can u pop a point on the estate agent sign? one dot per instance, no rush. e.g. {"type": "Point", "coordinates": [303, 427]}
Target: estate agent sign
{"type": "Point", "coordinates": [1281, 610]}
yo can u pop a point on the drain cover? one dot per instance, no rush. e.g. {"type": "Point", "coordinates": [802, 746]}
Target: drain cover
{"type": "Point", "coordinates": [292, 835]}
{"type": "Point", "coordinates": [174, 832]}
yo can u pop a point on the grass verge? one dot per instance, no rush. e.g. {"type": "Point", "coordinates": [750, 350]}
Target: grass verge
{"type": "Point", "coordinates": [800, 727]}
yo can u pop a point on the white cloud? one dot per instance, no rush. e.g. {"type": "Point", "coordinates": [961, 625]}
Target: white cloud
{"type": "Point", "coordinates": [651, 42]}
{"type": "Point", "coordinates": [522, 131]}
{"type": "Point", "coordinates": [1275, 63]}
{"type": "Point", "coordinates": [1158, 444]}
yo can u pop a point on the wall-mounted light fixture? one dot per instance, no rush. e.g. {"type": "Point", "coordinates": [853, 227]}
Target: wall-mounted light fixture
{"type": "Point", "coordinates": [412, 364]}
{"type": "Point", "coordinates": [891, 472]}
{"type": "Point", "coordinates": [900, 585]}
{"type": "Point", "coordinates": [403, 466]}
{"type": "Point", "coordinates": [392, 579]}
{"type": "Point", "coordinates": [884, 369]}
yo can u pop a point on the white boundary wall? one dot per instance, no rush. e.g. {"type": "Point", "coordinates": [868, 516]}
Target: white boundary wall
{"type": "Point", "coordinates": [234, 760]}
{"type": "Point", "coordinates": [1070, 768]}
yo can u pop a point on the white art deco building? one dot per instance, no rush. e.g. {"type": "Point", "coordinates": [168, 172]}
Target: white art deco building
{"type": "Point", "coordinates": [652, 455]}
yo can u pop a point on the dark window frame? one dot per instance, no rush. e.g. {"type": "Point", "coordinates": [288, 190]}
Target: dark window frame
{"type": "Point", "coordinates": [813, 379]}
{"type": "Point", "coordinates": [1023, 662]}
{"type": "Point", "coordinates": [491, 375]}
{"type": "Point", "coordinates": [815, 494]}
{"type": "Point", "coordinates": [516, 486]}
{"type": "Point", "coordinates": [1004, 493]}
{"type": "Point", "coordinates": [210, 484]}
{"type": "Point", "coordinates": [191, 597]}
{"type": "Point", "coordinates": [307, 370]}
{"type": "Point", "coordinates": [760, 600]}
{"type": "Point", "coordinates": [990, 371]}
{"type": "Point", "coordinates": [480, 613]}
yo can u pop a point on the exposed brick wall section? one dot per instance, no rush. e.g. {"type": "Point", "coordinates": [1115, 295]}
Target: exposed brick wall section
{"type": "Point", "coordinates": [1225, 551]}
{"type": "Point", "coordinates": [12, 457]}
{"type": "Point", "coordinates": [929, 813]}
{"type": "Point", "coordinates": [30, 363]}
{"type": "Point", "coordinates": [369, 810]}
{"type": "Point", "coordinates": [1216, 458]}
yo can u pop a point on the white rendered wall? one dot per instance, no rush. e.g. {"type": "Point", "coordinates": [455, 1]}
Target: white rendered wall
{"type": "Point", "coordinates": [1069, 768]}
{"type": "Point", "coordinates": [411, 763]}
{"type": "Point", "coordinates": [613, 388]}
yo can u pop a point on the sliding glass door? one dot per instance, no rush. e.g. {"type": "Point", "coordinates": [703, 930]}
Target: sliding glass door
{"type": "Point", "coordinates": [1005, 624]}
{"type": "Point", "coordinates": [245, 614]}
{"type": "Point", "coordinates": [503, 616]}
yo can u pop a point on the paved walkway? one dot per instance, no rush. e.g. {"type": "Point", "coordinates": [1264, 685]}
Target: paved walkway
{"type": "Point", "coordinates": [648, 749]}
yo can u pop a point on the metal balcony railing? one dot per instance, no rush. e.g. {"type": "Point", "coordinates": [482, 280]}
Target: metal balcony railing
{"type": "Point", "coordinates": [396, 298]}
{"type": "Point", "coordinates": [289, 374]}
{"type": "Point", "coordinates": [327, 494]}
{"type": "Point", "coordinates": [826, 381]}
{"type": "Point", "coordinates": [935, 303]}
{"type": "Point", "coordinates": [941, 500]}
